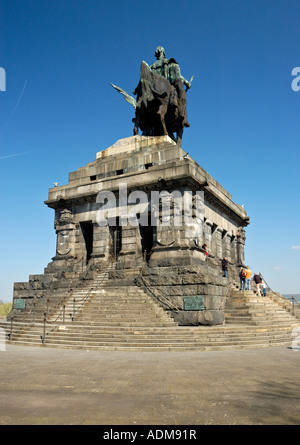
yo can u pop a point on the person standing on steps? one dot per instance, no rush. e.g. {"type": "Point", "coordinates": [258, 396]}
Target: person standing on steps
{"type": "Point", "coordinates": [257, 280]}
{"type": "Point", "coordinates": [248, 273]}
{"type": "Point", "coordinates": [225, 267]}
{"type": "Point", "coordinates": [264, 288]}
{"type": "Point", "coordinates": [242, 279]}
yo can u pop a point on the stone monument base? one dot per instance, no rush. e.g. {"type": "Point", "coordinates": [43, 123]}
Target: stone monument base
{"type": "Point", "coordinates": [193, 295]}
{"type": "Point", "coordinates": [180, 257]}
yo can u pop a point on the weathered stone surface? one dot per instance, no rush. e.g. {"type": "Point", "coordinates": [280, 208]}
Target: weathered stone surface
{"type": "Point", "coordinates": [214, 303]}
{"type": "Point", "coordinates": [173, 260]}
{"type": "Point", "coordinates": [196, 318]}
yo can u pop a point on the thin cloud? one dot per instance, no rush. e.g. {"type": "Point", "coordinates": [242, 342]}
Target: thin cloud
{"type": "Point", "coordinates": [16, 154]}
{"type": "Point", "coordinates": [277, 267]}
{"type": "Point", "coordinates": [295, 247]}
{"type": "Point", "coordinates": [14, 110]}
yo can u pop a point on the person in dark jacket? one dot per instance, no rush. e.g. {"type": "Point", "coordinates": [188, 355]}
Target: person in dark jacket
{"type": "Point", "coordinates": [242, 279]}
{"type": "Point", "coordinates": [224, 266]}
{"type": "Point", "coordinates": [257, 280]}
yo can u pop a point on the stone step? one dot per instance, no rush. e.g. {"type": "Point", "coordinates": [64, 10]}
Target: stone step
{"type": "Point", "coordinates": [177, 348]}
{"type": "Point", "coordinates": [140, 321]}
{"type": "Point", "coordinates": [154, 343]}
{"type": "Point", "coordinates": [109, 312]}
{"type": "Point", "coordinates": [177, 333]}
{"type": "Point", "coordinates": [117, 315]}
{"type": "Point", "coordinates": [163, 333]}
{"type": "Point", "coordinates": [214, 330]}
{"type": "Point", "coordinates": [151, 336]}
{"type": "Point", "coordinates": [126, 308]}
{"type": "Point", "coordinates": [97, 300]}
{"type": "Point", "coordinates": [131, 346]}
{"type": "Point", "coordinates": [260, 310]}
{"type": "Point", "coordinates": [128, 323]}
{"type": "Point", "coordinates": [257, 313]}
{"type": "Point", "coordinates": [166, 336]}
{"type": "Point", "coordinates": [240, 320]}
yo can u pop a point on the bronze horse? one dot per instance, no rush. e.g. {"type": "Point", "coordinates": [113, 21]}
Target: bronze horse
{"type": "Point", "coordinates": [160, 108]}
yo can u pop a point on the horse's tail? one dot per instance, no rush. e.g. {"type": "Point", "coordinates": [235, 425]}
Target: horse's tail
{"type": "Point", "coordinates": [145, 85]}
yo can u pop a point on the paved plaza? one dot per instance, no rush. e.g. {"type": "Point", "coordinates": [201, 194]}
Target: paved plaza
{"type": "Point", "coordinates": [44, 386]}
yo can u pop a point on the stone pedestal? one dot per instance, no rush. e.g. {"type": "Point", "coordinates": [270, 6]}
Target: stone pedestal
{"type": "Point", "coordinates": [241, 239]}
{"type": "Point", "coordinates": [194, 295]}
{"type": "Point", "coordinates": [151, 179]}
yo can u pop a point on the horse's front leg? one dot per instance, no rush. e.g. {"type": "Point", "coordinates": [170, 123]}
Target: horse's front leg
{"type": "Point", "coordinates": [162, 110]}
{"type": "Point", "coordinates": [179, 136]}
{"type": "Point", "coordinates": [136, 121]}
{"type": "Point", "coordinates": [135, 130]}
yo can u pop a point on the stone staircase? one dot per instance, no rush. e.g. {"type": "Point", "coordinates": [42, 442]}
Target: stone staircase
{"type": "Point", "coordinates": [247, 308]}
{"type": "Point", "coordinates": [114, 314]}
{"type": "Point", "coordinates": [78, 299]}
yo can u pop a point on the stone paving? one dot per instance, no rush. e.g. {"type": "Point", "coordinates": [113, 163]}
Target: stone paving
{"type": "Point", "coordinates": [40, 386]}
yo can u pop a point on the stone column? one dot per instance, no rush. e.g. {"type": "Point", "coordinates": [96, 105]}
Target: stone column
{"type": "Point", "coordinates": [217, 242]}
{"type": "Point", "coordinates": [170, 237]}
{"type": "Point", "coordinates": [179, 231]}
{"type": "Point", "coordinates": [241, 239]}
{"type": "Point", "coordinates": [167, 235]}
{"type": "Point", "coordinates": [131, 255]}
{"type": "Point", "coordinates": [226, 246]}
{"type": "Point", "coordinates": [208, 225]}
{"type": "Point", "coordinates": [101, 241]}
{"type": "Point", "coordinates": [65, 227]}
{"type": "Point", "coordinates": [233, 252]}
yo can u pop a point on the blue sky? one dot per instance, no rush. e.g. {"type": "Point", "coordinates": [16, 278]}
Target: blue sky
{"type": "Point", "coordinates": [59, 110]}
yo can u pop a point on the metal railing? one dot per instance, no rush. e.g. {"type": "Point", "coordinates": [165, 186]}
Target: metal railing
{"type": "Point", "coordinates": [293, 301]}
{"type": "Point", "coordinates": [62, 313]}
{"type": "Point", "coordinates": [86, 297]}
{"type": "Point", "coordinates": [267, 286]}
{"type": "Point", "coordinates": [29, 318]}
{"type": "Point", "coordinates": [157, 294]}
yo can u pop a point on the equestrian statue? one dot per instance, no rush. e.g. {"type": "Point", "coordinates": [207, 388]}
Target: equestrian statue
{"type": "Point", "coordinates": [160, 104]}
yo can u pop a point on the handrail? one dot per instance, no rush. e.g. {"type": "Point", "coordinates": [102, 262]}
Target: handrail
{"type": "Point", "coordinates": [32, 311]}
{"type": "Point", "coordinates": [83, 299]}
{"type": "Point", "coordinates": [161, 298]}
{"type": "Point", "coordinates": [42, 302]}
{"type": "Point", "coordinates": [166, 301]}
{"type": "Point", "coordinates": [293, 300]}
{"type": "Point", "coordinates": [70, 288]}
{"type": "Point", "coordinates": [63, 299]}
{"type": "Point", "coordinates": [62, 311]}
{"type": "Point", "coordinates": [260, 274]}
{"type": "Point", "coordinates": [228, 290]}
